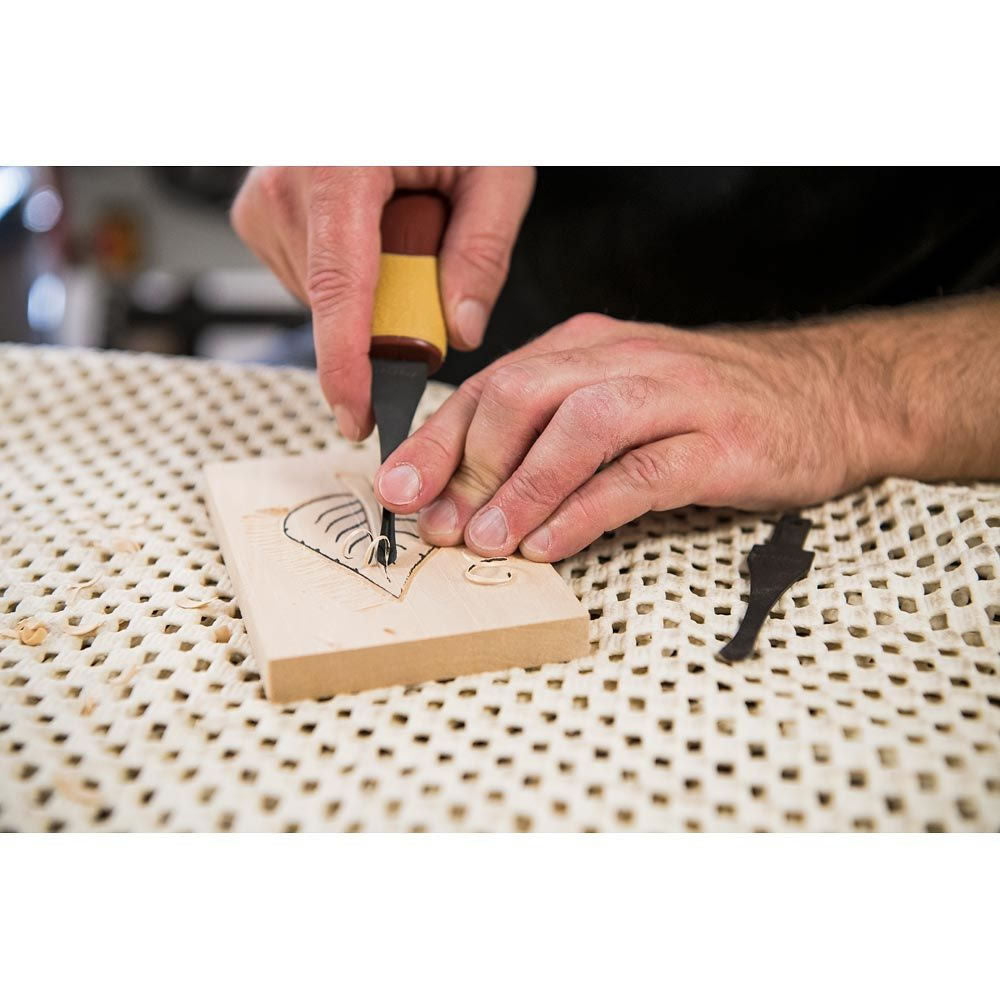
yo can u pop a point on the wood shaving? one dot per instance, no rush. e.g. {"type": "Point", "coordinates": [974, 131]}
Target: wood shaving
{"type": "Point", "coordinates": [193, 603]}
{"type": "Point", "coordinates": [222, 634]}
{"type": "Point", "coordinates": [127, 676]}
{"type": "Point", "coordinates": [77, 587]}
{"type": "Point", "coordinates": [76, 792]}
{"type": "Point", "coordinates": [355, 536]}
{"type": "Point", "coordinates": [82, 629]}
{"type": "Point", "coordinates": [31, 633]}
{"type": "Point", "coordinates": [474, 575]}
{"type": "Point", "coordinates": [371, 554]}
{"type": "Point", "coordinates": [125, 545]}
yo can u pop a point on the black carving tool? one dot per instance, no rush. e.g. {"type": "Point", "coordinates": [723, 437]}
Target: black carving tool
{"type": "Point", "coordinates": [409, 339]}
{"type": "Point", "coordinates": [774, 567]}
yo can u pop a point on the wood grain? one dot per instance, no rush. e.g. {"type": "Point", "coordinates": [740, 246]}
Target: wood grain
{"type": "Point", "coordinates": [318, 628]}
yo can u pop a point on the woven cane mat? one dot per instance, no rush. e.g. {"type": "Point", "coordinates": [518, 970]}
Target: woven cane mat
{"type": "Point", "coordinates": [873, 702]}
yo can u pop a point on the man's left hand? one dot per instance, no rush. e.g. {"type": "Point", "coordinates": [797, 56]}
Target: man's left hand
{"type": "Point", "coordinates": [599, 421]}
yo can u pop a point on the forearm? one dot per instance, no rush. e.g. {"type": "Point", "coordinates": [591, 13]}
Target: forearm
{"type": "Point", "coordinates": [922, 385]}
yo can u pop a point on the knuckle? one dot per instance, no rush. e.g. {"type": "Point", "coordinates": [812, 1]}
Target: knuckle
{"type": "Point", "coordinates": [535, 489]}
{"type": "Point", "coordinates": [593, 408]}
{"type": "Point", "coordinates": [582, 508]}
{"type": "Point", "coordinates": [642, 472]}
{"type": "Point", "coordinates": [466, 397]}
{"type": "Point", "coordinates": [595, 413]}
{"type": "Point", "coordinates": [635, 391]}
{"type": "Point", "coordinates": [511, 387]}
{"type": "Point", "coordinates": [275, 186]}
{"type": "Point", "coordinates": [584, 324]}
{"type": "Point", "coordinates": [487, 253]}
{"type": "Point", "coordinates": [330, 284]}
{"type": "Point", "coordinates": [434, 449]}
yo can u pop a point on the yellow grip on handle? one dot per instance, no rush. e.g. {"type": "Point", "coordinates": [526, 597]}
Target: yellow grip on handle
{"type": "Point", "coordinates": [408, 306]}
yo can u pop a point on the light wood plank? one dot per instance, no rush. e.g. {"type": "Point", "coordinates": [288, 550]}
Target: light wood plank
{"type": "Point", "coordinates": [320, 627]}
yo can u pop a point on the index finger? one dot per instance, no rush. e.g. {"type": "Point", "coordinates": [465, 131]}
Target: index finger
{"type": "Point", "coordinates": [345, 209]}
{"type": "Point", "coordinates": [429, 457]}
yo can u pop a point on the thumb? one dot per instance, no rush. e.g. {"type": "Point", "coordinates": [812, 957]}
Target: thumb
{"type": "Point", "coordinates": [488, 205]}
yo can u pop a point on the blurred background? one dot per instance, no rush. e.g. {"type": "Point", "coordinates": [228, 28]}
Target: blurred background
{"type": "Point", "coordinates": [139, 258]}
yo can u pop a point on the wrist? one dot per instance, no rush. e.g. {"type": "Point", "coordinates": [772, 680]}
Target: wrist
{"type": "Point", "coordinates": [888, 397]}
{"type": "Point", "coordinates": [872, 420]}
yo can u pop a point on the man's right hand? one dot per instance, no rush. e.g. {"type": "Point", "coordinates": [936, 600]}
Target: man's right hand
{"type": "Point", "coordinates": [317, 228]}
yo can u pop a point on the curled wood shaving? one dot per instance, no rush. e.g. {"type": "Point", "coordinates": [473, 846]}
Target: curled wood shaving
{"type": "Point", "coordinates": [357, 534]}
{"type": "Point", "coordinates": [126, 677]}
{"type": "Point", "coordinates": [192, 603]}
{"type": "Point", "coordinates": [474, 573]}
{"type": "Point", "coordinates": [125, 545]}
{"type": "Point", "coordinates": [76, 792]}
{"type": "Point", "coordinates": [82, 629]}
{"type": "Point", "coordinates": [30, 632]}
{"type": "Point", "coordinates": [77, 587]}
{"type": "Point", "coordinates": [371, 553]}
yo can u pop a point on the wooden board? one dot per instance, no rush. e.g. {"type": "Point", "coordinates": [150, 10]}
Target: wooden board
{"type": "Point", "coordinates": [321, 621]}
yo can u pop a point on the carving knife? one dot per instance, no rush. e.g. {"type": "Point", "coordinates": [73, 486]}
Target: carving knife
{"type": "Point", "coordinates": [409, 338]}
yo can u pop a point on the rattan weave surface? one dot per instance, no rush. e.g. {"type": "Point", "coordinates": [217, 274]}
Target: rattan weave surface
{"type": "Point", "coordinates": [873, 702]}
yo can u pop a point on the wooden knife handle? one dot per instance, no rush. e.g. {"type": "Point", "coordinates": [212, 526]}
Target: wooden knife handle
{"type": "Point", "coordinates": [408, 321]}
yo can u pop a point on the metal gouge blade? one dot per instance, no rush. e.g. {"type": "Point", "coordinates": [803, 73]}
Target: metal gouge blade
{"type": "Point", "coordinates": [396, 390]}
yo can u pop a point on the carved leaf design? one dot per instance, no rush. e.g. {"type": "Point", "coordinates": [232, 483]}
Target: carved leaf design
{"type": "Point", "coordinates": [342, 525]}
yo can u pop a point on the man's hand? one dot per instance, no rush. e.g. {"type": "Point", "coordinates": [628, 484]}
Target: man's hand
{"type": "Point", "coordinates": [599, 421]}
{"type": "Point", "coordinates": [317, 228]}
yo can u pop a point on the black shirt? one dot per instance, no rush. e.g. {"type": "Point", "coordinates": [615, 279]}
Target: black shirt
{"type": "Point", "coordinates": [691, 246]}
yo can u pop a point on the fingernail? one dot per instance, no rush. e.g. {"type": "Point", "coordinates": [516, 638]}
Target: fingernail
{"type": "Point", "coordinates": [535, 545]}
{"type": "Point", "coordinates": [400, 484]}
{"type": "Point", "coordinates": [488, 529]}
{"type": "Point", "coordinates": [346, 422]}
{"type": "Point", "coordinates": [470, 318]}
{"type": "Point", "coordinates": [441, 518]}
